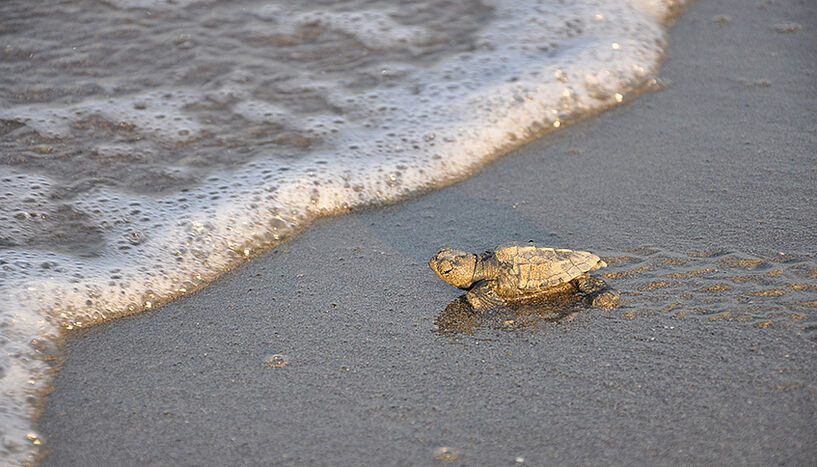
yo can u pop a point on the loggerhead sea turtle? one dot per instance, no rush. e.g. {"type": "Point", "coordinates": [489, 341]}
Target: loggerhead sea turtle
{"type": "Point", "coordinates": [518, 272]}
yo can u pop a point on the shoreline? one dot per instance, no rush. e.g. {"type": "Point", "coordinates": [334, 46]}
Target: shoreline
{"type": "Point", "coordinates": [351, 302]}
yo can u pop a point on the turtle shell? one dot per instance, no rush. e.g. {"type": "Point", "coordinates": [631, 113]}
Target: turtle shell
{"type": "Point", "coordinates": [537, 268]}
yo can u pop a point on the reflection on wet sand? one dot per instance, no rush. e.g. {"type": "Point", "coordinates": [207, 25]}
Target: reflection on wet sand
{"type": "Point", "coordinates": [460, 318]}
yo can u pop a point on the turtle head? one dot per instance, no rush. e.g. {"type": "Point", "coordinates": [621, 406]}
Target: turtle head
{"type": "Point", "coordinates": [455, 267]}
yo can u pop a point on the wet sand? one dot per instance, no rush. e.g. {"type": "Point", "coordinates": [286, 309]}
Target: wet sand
{"type": "Point", "coordinates": [722, 161]}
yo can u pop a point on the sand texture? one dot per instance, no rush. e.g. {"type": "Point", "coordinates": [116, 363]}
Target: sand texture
{"type": "Point", "coordinates": [701, 199]}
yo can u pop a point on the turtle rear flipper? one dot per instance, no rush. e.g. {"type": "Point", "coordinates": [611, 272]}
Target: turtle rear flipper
{"type": "Point", "coordinates": [597, 292]}
{"type": "Point", "coordinates": [484, 299]}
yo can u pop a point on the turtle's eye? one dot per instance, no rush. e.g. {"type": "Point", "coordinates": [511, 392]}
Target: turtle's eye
{"type": "Point", "coordinates": [446, 267]}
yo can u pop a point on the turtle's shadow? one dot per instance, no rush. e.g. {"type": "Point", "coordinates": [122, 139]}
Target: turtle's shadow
{"type": "Point", "coordinates": [460, 318]}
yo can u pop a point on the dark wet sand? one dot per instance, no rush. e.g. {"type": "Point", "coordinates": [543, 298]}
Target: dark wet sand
{"type": "Point", "coordinates": [724, 158]}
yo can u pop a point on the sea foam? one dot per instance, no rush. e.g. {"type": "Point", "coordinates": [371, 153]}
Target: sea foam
{"type": "Point", "coordinates": [243, 154]}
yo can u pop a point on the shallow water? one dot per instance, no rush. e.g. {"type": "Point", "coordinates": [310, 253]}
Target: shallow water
{"type": "Point", "coordinates": [148, 146]}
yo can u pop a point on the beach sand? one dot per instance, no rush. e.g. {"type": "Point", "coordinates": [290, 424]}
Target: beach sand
{"type": "Point", "coordinates": [720, 162]}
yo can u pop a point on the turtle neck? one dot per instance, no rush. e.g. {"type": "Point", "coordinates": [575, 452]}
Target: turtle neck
{"type": "Point", "coordinates": [485, 267]}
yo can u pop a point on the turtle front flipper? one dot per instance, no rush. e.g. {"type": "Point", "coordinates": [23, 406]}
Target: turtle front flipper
{"type": "Point", "coordinates": [483, 298]}
{"type": "Point", "coordinates": [597, 292]}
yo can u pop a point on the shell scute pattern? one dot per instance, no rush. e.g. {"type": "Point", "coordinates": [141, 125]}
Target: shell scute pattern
{"type": "Point", "coordinates": [536, 268]}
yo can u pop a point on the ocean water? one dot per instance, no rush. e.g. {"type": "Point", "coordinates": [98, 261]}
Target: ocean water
{"type": "Point", "coordinates": [150, 145]}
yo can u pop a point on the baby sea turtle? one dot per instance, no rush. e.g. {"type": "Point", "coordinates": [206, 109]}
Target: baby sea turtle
{"type": "Point", "coordinates": [519, 272]}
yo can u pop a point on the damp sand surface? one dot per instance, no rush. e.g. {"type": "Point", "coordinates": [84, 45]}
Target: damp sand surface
{"type": "Point", "coordinates": [701, 199]}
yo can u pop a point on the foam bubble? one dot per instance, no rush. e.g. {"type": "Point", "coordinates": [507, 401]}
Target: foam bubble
{"type": "Point", "coordinates": [154, 4]}
{"type": "Point", "coordinates": [376, 29]}
{"type": "Point", "coordinates": [276, 361]}
{"type": "Point", "coordinates": [446, 453]}
{"type": "Point", "coordinates": [158, 113]}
